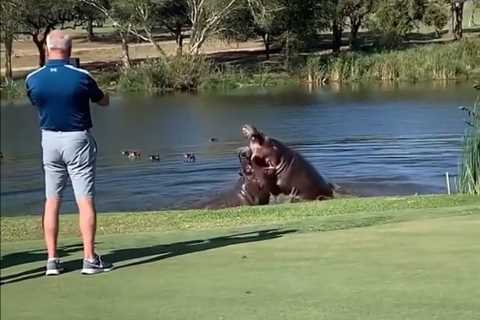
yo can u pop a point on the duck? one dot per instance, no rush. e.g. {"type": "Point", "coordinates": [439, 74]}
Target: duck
{"type": "Point", "coordinates": [189, 157]}
{"type": "Point", "coordinates": [154, 157]}
{"type": "Point", "coordinates": [213, 139]}
{"type": "Point", "coordinates": [132, 154]}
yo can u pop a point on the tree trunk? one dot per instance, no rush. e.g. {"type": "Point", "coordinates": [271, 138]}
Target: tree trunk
{"type": "Point", "coordinates": [458, 29]}
{"type": "Point", "coordinates": [125, 54]}
{"type": "Point", "coordinates": [452, 18]}
{"type": "Point", "coordinates": [287, 50]}
{"type": "Point", "coordinates": [179, 41]}
{"type": "Point", "coordinates": [355, 26]}
{"type": "Point", "coordinates": [336, 36]}
{"type": "Point", "coordinates": [40, 43]}
{"type": "Point", "coordinates": [90, 34]}
{"type": "Point", "coordinates": [8, 42]}
{"type": "Point", "coordinates": [266, 42]}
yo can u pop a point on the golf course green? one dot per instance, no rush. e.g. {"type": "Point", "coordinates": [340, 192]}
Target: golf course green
{"type": "Point", "coordinates": [375, 258]}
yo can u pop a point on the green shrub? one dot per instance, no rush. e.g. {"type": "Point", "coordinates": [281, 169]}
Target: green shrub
{"type": "Point", "coordinates": [147, 77]}
{"type": "Point", "coordinates": [186, 73]}
{"type": "Point", "coordinates": [12, 90]}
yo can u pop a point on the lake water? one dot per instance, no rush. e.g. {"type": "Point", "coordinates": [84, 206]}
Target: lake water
{"type": "Point", "coordinates": [373, 140]}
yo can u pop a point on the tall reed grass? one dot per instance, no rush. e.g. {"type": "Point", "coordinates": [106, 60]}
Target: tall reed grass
{"type": "Point", "coordinates": [458, 60]}
{"type": "Point", "coordinates": [469, 172]}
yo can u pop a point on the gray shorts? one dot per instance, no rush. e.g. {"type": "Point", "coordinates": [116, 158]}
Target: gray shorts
{"type": "Point", "coordinates": [69, 154]}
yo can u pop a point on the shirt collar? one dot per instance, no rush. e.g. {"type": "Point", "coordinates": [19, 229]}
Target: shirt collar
{"type": "Point", "coordinates": [58, 62]}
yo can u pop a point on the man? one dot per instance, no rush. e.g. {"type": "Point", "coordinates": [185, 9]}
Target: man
{"type": "Point", "coordinates": [62, 95]}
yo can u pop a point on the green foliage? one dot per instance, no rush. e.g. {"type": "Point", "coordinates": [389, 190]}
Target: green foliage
{"type": "Point", "coordinates": [434, 62]}
{"type": "Point", "coordinates": [436, 15]}
{"type": "Point", "coordinates": [12, 90]}
{"type": "Point", "coordinates": [393, 19]}
{"type": "Point", "coordinates": [469, 177]}
{"type": "Point", "coordinates": [187, 72]}
{"type": "Point", "coordinates": [145, 78]}
{"type": "Point", "coordinates": [182, 73]}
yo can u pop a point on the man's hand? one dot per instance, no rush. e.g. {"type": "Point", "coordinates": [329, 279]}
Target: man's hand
{"type": "Point", "coordinates": [105, 101]}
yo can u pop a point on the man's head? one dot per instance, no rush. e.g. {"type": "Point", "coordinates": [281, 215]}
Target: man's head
{"type": "Point", "coordinates": [59, 45]}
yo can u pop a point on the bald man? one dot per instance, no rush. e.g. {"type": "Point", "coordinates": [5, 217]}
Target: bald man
{"type": "Point", "coordinates": [62, 95]}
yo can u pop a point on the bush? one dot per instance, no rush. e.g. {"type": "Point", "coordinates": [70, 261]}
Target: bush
{"type": "Point", "coordinates": [179, 73]}
{"type": "Point", "coordinates": [186, 73]}
{"type": "Point", "coordinates": [12, 90]}
{"type": "Point", "coordinates": [147, 77]}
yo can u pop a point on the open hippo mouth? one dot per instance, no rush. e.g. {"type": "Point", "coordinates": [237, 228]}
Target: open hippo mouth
{"type": "Point", "coordinates": [257, 142]}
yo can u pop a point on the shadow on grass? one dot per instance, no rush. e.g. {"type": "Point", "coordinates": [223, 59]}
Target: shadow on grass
{"type": "Point", "coordinates": [130, 257]}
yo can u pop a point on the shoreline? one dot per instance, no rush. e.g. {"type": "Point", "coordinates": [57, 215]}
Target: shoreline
{"type": "Point", "coordinates": [152, 77]}
{"type": "Point", "coordinates": [21, 228]}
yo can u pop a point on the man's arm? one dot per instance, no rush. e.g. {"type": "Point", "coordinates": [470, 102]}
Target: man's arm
{"type": "Point", "coordinates": [105, 101]}
{"type": "Point", "coordinates": [97, 95]}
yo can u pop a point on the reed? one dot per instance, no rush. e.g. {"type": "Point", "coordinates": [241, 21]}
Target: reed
{"type": "Point", "coordinates": [469, 172]}
{"type": "Point", "coordinates": [459, 60]}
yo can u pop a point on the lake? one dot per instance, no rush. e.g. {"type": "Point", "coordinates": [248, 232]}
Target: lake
{"type": "Point", "coordinates": [370, 139]}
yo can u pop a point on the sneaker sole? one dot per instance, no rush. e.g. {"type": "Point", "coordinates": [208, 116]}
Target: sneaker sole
{"type": "Point", "coordinates": [95, 271]}
{"type": "Point", "coordinates": [53, 272]}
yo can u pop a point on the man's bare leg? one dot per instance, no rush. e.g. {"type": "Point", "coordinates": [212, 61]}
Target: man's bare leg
{"type": "Point", "coordinates": [88, 226]}
{"type": "Point", "coordinates": [50, 225]}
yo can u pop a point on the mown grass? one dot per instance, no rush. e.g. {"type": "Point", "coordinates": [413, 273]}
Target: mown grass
{"type": "Point", "coordinates": [421, 267]}
{"type": "Point", "coordinates": [304, 215]}
{"type": "Point", "coordinates": [454, 61]}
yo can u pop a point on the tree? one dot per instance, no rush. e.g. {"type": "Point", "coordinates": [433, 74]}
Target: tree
{"type": "Point", "coordinates": [205, 18]}
{"type": "Point", "coordinates": [173, 15]}
{"type": "Point", "coordinates": [8, 29]}
{"type": "Point", "coordinates": [134, 17]}
{"type": "Point", "coordinates": [265, 14]}
{"type": "Point", "coordinates": [436, 16]}
{"type": "Point", "coordinates": [90, 16]}
{"type": "Point", "coordinates": [393, 19]}
{"type": "Point", "coordinates": [38, 17]}
{"type": "Point", "coordinates": [356, 11]}
{"type": "Point", "coordinates": [456, 8]}
{"type": "Point", "coordinates": [338, 23]}
{"type": "Point", "coordinates": [117, 13]}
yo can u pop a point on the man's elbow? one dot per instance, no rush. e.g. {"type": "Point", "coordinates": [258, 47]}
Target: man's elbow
{"type": "Point", "coordinates": [105, 101]}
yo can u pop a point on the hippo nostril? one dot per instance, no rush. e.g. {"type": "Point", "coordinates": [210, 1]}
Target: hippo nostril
{"type": "Point", "coordinates": [248, 130]}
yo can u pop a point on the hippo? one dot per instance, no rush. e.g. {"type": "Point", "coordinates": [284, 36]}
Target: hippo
{"type": "Point", "coordinates": [252, 188]}
{"type": "Point", "coordinates": [294, 175]}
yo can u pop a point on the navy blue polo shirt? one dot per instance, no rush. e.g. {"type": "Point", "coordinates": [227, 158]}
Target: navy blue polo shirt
{"type": "Point", "coordinates": [62, 94]}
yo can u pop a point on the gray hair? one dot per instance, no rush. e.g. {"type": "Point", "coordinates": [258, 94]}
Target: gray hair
{"type": "Point", "coordinates": [58, 40]}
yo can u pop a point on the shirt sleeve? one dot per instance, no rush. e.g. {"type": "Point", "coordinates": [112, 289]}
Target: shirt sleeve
{"type": "Point", "coordinates": [94, 91]}
{"type": "Point", "coordinates": [28, 88]}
